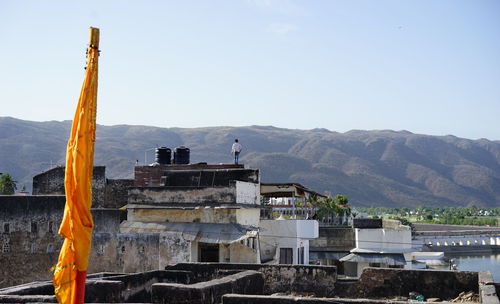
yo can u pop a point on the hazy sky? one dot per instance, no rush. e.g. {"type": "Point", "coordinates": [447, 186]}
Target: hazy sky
{"type": "Point", "coordinates": [428, 67]}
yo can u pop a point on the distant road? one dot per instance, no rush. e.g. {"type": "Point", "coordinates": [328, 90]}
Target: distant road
{"type": "Point", "coordinates": [419, 227]}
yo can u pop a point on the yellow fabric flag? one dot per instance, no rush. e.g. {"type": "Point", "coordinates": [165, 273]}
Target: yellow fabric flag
{"type": "Point", "coordinates": [76, 226]}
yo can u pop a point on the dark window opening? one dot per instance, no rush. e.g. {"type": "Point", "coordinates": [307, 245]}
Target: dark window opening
{"type": "Point", "coordinates": [286, 256]}
{"type": "Point", "coordinates": [208, 252]}
{"type": "Point", "coordinates": [34, 227]}
{"type": "Point", "coordinates": [6, 228]}
{"type": "Point", "coordinates": [51, 227]}
{"type": "Point", "coordinates": [6, 248]}
{"type": "Point", "coordinates": [300, 255]}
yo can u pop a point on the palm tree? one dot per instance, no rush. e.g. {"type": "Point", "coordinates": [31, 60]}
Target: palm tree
{"type": "Point", "coordinates": [7, 184]}
{"type": "Point", "coordinates": [330, 207]}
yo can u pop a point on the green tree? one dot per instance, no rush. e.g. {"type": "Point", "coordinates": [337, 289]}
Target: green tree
{"type": "Point", "coordinates": [330, 207]}
{"type": "Point", "coordinates": [7, 184]}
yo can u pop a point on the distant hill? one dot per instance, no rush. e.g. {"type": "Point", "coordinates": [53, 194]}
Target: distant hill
{"type": "Point", "coordinates": [373, 168]}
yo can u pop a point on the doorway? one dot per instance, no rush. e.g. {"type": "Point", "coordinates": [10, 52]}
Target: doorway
{"type": "Point", "coordinates": [208, 252]}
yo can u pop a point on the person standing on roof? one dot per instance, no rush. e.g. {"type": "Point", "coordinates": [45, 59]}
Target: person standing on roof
{"type": "Point", "coordinates": [236, 149]}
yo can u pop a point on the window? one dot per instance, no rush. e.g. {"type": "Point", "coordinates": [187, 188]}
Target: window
{"type": "Point", "coordinates": [163, 181]}
{"type": "Point", "coordinates": [34, 227]}
{"type": "Point", "coordinates": [286, 256]}
{"type": "Point", "coordinates": [100, 250]}
{"type": "Point", "coordinates": [6, 227]}
{"type": "Point", "coordinates": [51, 227]}
{"type": "Point", "coordinates": [208, 252]}
{"type": "Point", "coordinates": [6, 247]}
{"type": "Point", "coordinates": [300, 255]}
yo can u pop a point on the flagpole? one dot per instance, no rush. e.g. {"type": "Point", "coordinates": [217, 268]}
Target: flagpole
{"type": "Point", "coordinates": [76, 227]}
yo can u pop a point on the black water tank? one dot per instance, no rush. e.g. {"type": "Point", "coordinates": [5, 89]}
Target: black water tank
{"type": "Point", "coordinates": [163, 155]}
{"type": "Point", "coordinates": [181, 155]}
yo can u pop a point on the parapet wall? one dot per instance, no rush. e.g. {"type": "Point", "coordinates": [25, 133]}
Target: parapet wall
{"type": "Point", "coordinates": [116, 192]}
{"type": "Point", "coordinates": [51, 182]}
{"type": "Point", "coordinates": [334, 239]}
{"type": "Point", "coordinates": [29, 243]}
{"type": "Point", "coordinates": [209, 292]}
{"type": "Point", "coordinates": [193, 175]}
{"type": "Point", "coordinates": [318, 280]}
{"type": "Point", "coordinates": [389, 283]}
{"type": "Point", "coordinates": [29, 240]}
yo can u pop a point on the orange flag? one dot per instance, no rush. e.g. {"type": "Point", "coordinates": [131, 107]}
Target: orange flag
{"type": "Point", "coordinates": [76, 226]}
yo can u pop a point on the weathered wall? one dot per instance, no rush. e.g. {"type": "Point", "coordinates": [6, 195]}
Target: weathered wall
{"type": "Point", "coordinates": [101, 288]}
{"type": "Point", "coordinates": [258, 299]}
{"type": "Point", "coordinates": [138, 286]}
{"type": "Point", "coordinates": [210, 292]}
{"type": "Point", "coordinates": [52, 182]}
{"type": "Point", "coordinates": [124, 252]}
{"type": "Point", "coordinates": [107, 220]}
{"type": "Point", "coordinates": [186, 195]}
{"type": "Point", "coordinates": [200, 215]}
{"type": "Point", "coordinates": [239, 253]}
{"type": "Point", "coordinates": [366, 223]}
{"type": "Point", "coordinates": [193, 175]}
{"type": "Point", "coordinates": [137, 252]}
{"type": "Point", "coordinates": [249, 216]}
{"type": "Point", "coordinates": [488, 292]}
{"type": "Point", "coordinates": [334, 239]}
{"type": "Point", "coordinates": [29, 241]}
{"type": "Point", "coordinates": [116, 192]}
{"type": "Point", "coordinates": [174, 248]}
{"type": "Point", "coordinates": [247, 193]}
{"type": "Point", "coordinates": [319, 280]}
{"type": "Point", "coordinates": [387, 283]}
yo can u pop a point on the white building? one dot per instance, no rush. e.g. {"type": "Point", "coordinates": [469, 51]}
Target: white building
{"type": "Point", "coordinates": [286, 241]}
{"type": "Point", "coordinates": [379, 247]}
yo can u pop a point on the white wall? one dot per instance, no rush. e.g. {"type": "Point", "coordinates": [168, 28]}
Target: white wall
{"type": "Point", "coordinates": [247, 193]}
{"type": "Point", "coordinates": [288, 234]}
{"type": "Point", "coordinates": [248, 217]}
{"type": "Point", "coordinates": [393, 240]}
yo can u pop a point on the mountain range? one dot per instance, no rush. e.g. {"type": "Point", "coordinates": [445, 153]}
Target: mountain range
{"type": "Point", "coordinates": [373, 168]}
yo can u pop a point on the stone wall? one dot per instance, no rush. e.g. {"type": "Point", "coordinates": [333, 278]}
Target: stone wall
{"type": "Point", "coordinates": [29, 241]}
{"type": "Point", "coordinates": [209, 292]}
{"type": "Point", "coordinates": [390, 283]}
{"type": "Point", "coordinates": [319, 280]}
{"type": "Point", "coordinates": [115, 288]}
{"type": "Point", "coordinates": [179, 195]}
{"type": "Point", "coordinates": [107, 220]}
{"type": "Point", "coordinates": [137, 287]}
{"type": "Point", "coordinates": [30, 244]}
{"type": "Point", "coordinates": [256, 299]}
{"type": "Point", "coordinates": [337, 239]}
{"type": "Point", "coordinates": [52, 182]}
{"type": "Point", "coordinates": [115, 194]}
{"type": "Point", "coordinates": [124, 252]}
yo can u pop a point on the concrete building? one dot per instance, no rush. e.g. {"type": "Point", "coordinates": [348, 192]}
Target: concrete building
{"type": "Point", "coordinates": [287, 241]}
{"type": "Point", "coordinates": [379, 243]}
{"type": "Point", "coordinates": [287, 199]}
{"type": "Point", "coordinates": [210, 213]}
